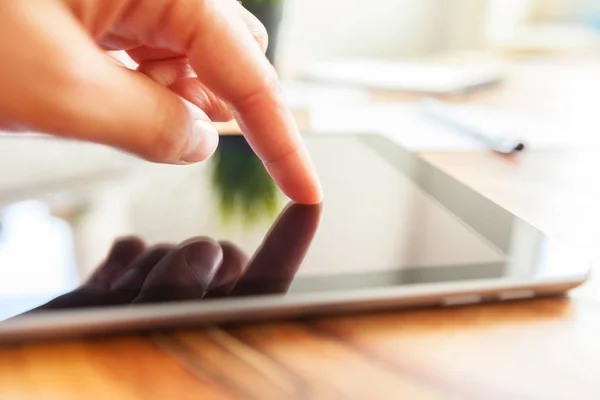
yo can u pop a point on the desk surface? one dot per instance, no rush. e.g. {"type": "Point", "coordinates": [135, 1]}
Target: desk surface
{"type": "Point", "coordinates": [539, 349]}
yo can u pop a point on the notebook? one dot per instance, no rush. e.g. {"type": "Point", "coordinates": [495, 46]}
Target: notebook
{"type": "Point", "coordinates": [404, 76]}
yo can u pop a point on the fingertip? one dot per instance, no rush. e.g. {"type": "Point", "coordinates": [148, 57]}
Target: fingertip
{"type": "Point", "coordinates": [312, 196]}
{"type": "Point", "coordinates": [318, 199]}
{"type": "Point", "coordinates": [297, 178]}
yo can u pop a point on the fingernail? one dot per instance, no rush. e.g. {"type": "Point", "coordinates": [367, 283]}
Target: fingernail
{"type": "Point", "coordinates": [203, 142]}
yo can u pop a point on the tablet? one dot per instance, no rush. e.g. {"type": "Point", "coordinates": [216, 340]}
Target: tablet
{"type": "Point", "coordinates": [95, 241]}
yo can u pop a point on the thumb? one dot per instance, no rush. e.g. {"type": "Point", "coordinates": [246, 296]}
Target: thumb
{"type": "Point", "coordinates": [58, 81]}
{"type": "Point", "coordinates": [125, 109]}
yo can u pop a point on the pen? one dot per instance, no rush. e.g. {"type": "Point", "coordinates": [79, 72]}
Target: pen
{"type": "Point", "coordinates": [437, 111]}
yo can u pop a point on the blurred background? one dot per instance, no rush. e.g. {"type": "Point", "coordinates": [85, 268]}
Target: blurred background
{"type": "Point", "coordinates": [517, 70]}
{"type": "Point", "coordinates": [334, 53]}
{"type": "Point", "coordinates": [313, 30]}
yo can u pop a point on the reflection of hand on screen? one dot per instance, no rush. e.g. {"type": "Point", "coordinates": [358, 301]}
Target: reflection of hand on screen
{"type": "Point", "coordinates": [198, 268]}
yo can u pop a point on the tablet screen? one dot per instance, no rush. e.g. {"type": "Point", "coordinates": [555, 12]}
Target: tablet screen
{"type": "Point", "coordinates": [86, 226]}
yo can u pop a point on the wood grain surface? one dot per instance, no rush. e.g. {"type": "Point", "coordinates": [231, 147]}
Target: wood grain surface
{"type": "Point", "coordinates": [537, 349]}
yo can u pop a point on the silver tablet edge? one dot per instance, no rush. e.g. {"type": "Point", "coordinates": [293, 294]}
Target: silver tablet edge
{"type": "Point", "coordinates": [104, 320]}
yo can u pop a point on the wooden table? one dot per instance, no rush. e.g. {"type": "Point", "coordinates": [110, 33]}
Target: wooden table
{"type": "Point", "coordinates": [539, 349]}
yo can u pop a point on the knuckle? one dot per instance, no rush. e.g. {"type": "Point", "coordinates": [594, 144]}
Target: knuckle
{"type": "Point", "coordinates": [217, 110]}
{"type": "Point", "coordinates": [165, 72]}
{"type": "Point", "coordinates": [261, 35]}
{"type": "Point", "coordinates": [256, 27]}
{"type": "Point", "coordinates": [265, 91]}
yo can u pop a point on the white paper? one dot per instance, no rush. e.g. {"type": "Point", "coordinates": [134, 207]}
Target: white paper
{"type": "Point", "coordinates": [416, 77]}
{"type": "Point", "coordinates": [405, 124]}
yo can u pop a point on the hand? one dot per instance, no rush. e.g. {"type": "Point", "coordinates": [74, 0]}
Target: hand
{"type": "Point", "coordinates": [56, 78]}
{"type": "Point", "coordinates": [198, 268]}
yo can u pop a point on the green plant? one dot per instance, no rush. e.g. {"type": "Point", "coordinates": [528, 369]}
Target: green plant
{"type": "Point", "coordinates": [244, 188]}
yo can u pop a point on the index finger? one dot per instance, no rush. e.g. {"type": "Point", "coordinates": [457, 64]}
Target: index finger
{"type": "Point", "coordinates": [230, 63]}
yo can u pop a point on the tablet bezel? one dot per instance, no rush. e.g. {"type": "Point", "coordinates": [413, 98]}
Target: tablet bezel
{"type": "Point", "coordinates": [429, 178]}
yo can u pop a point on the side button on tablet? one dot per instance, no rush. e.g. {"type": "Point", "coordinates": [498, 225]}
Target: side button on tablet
{"type": "Point", "coordinates": [516, 294]}
{"type": "Point", "coordinates": [461, 299]}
